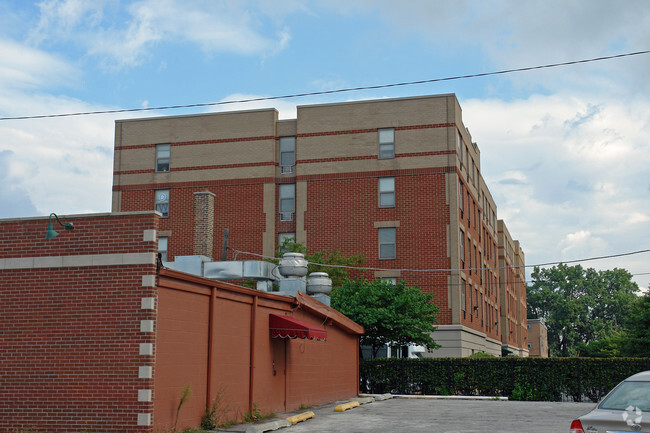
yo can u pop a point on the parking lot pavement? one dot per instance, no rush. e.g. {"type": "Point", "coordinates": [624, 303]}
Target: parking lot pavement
{"type": "Point", "coordinates": [444, 416]}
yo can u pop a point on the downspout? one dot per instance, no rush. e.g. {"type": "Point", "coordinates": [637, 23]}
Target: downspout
{"type": "Point", "coordinates": [251, 377]}
{"type": "Point", "coordinates": [211, 323]}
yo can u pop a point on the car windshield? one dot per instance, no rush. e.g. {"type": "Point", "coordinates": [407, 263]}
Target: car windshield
{"type": "Point", "coordinates": [635, 394]}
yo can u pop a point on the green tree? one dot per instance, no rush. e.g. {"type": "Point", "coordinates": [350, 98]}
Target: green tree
{"type": "Point", "coordinates": [580, 305]}
{"type": "Point", "coordinates": [390, 313]}
{"type": "Point", "coordinates": [336, 264]}
{"type": "Point", "coordinates": [632, 340]}
{"type": "Point", "coordinates": [637, 328]}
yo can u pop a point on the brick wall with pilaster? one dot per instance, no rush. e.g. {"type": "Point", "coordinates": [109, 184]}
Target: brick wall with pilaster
{"type": "Point", "coordinates": [75, 332]}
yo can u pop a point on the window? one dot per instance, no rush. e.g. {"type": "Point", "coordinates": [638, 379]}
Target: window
{"type": "Point", "coordinates": [162, 247]}
{"type": "Point", "coordinates": [386, 143]}
{"type": "Point", "coordinates": [162, 202]}
{"type": "Point", "coordinates": [471, 314]}
{"type": "Point", "coordinates": [386, 192]}
{"type": "Point", "coordinates": [287, 201]}
{"type": "Point", "coordinates": [287, 154]}
{"type": "Point", "coordinates": [473, 172]}
{"type": "Point", "coordinates": [387, 243]}
{"type": "Point", "coordinates": [285, 237]}
{"type": "Point", "coordinates": [476, 263]}
{"type": "Point", "coordinates": [530, 345]}
{"type": "Point", "coordinates": [391, 280]}
{"type": "Point", "coordinates": [162, 157]}
{"type": "Point", "coordinates": [462, 296]}
{"type": "Point", "coordinates": [459, 143]}
{"type": "Point", "coordinates": [474, 212]}
{"type": "Point", "coordinates": [462, 248]}
{"type": "Point", "coordinates": [460, 197]}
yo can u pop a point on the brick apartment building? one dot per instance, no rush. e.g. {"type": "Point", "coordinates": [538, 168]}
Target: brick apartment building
{"type": "Point", "coordinates": [398, 180]}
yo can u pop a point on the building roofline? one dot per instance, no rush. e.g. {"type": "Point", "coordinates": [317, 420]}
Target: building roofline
{"type": "Point", "coordinates": [81, 216]}
{"type": "Point", "coordinates": [360, 101]}
{"type": "Point", "coordinates": [185, 116]}
{"type": "Point", "coordinates": [379, 100]}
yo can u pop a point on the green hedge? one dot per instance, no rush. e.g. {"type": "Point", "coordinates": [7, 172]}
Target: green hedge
{"type": "Point", "coordinates": [547, 379]}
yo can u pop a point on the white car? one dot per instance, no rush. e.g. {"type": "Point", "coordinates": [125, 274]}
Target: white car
{"type": "Point", "coordinates": [625, 409]}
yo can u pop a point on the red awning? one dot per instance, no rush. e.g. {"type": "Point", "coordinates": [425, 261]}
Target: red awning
{"type": "Point", "coordinates": [288, 327]}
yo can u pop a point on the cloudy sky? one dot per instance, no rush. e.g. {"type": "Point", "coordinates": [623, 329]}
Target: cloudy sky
{"type": "Point", "coordinates": [565, 151]}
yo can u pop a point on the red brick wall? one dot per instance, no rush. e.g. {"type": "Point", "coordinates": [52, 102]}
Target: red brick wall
{"type": "Point", "coordinates": [240, 208]}
{"type": "Point", "coordinates": [351, 206]}
{"type": "Point", "coordinates": [70, 336]}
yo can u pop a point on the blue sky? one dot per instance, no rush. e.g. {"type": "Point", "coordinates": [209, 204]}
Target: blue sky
{"type": "Point", "coordinates": [565, 151]}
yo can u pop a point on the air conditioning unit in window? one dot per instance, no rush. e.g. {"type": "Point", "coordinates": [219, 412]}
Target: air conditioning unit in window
{"type": "Point", "coordinates": [286, 169]}
{"type": "Point", "coordinates": [286, 216]}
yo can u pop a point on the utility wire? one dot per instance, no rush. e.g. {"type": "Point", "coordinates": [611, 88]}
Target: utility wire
{"type": "Point", "coordinates": [329, 92]}
{"type": "Point", "coordinates": [458, 269]}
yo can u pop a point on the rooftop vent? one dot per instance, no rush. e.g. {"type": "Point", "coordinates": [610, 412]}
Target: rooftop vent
{"type": "Point", "coordinates": [293, 265]}
{"type": "Point", "coordinates": [319, 283]}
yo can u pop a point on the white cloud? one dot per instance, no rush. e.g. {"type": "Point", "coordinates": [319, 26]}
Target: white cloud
{"type": "Point", "coordinates": [61, 18]}
{"type": "Point", "coordinates": [569, 176]}
{"type": "Point", "coordinates": [581, 244]}
{"type": "Point", "coordinates": [14, 198]}
{"type": "Point", "coordinates": [63, 165]}
{"type": "Point", "coordinates": [502, 34]}
{"type": "Point", "coordinates": [215, 26]}
{"type": "Point", "coordinates": [23, 67]}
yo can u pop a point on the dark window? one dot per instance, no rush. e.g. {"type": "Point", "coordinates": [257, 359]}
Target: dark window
{"type": "Point", "coordinates": [162, 157]}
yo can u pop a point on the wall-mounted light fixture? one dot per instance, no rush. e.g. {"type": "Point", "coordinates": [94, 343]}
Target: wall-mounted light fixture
{"type": "Point", "coordinates": [50, 228]}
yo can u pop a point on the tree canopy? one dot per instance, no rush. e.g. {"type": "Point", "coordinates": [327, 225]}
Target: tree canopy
{"type": "Point", "coordinates": [580, 306]}
{"type": "Point", "coordinates": [390, 313]}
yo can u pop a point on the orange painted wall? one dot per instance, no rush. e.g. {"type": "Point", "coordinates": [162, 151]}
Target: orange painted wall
{"type": "Point", "coordinates": [181, 357]}
{"type": "Point", "coordinates": [285, 373]}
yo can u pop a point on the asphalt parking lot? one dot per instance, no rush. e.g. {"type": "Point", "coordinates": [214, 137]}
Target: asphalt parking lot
{"type": "Point", "coordinates": [443, 416]}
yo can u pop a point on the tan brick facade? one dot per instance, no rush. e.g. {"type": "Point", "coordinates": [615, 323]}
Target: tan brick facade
{"type": "Point", "coordinates": [537, 338]}
{"type": "Point", "coordinates": [437, 198]}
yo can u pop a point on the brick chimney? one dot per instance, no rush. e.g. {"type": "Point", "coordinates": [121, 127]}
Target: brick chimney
{"type": "Point", "coordinates": [203, 223]}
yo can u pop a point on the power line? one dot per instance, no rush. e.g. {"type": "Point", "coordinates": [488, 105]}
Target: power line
{"type": "Point", "coordinates": [361, 268]}
{"type": "Point", "coordinates": [329, 92]}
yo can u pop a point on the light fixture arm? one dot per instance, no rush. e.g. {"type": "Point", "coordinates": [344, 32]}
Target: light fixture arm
{"type": "Point", "coordinates": [51, 233]}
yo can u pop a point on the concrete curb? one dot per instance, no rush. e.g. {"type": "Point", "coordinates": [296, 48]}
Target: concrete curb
{"type": "Point", "coordinates": [364, 400]}
{"type": "Point", "coordinates": [380, 397]}
{"type": "Point", "coordinates": [345, 406]}
{"type": "Point", "coordinates": [300, 417]}
{"type": "Point", "coordinates": [377, 397]}
{"type": "Point", "coordinates": [450, 397]}
{"type": "Point", "coordinates": [267, 426]}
